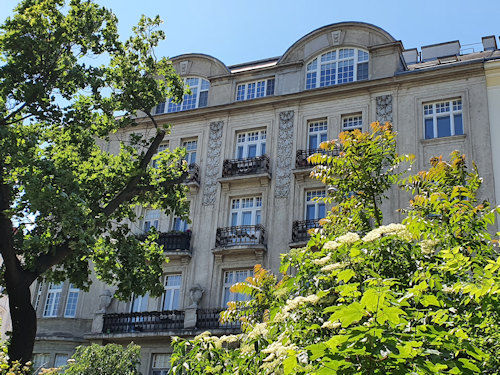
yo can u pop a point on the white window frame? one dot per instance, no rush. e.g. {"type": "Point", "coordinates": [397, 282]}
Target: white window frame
{"type": "Point", "coordinates": [191, 146]}
{"type": "Point", "coordinates": [38, 295]}
{"type": "Point", "coordinates": [231, 277]}
{"type": "Point", "coordinates": [171, 301]}
{"type": "Point", "coordinates": [160, 364]}
{"type": "Point", "coordinates": [71, 301]}
{"type": "Point", "coordinates": [449, 108]}
{"type": "Point", "coordinates": [151, 219]}
{"type": "Point", "coordinates": [241, 208]}
{"type": "Point", "coordinates": [139, 303]}
{"type": "Point", "coordinates": [52, 300]}
{"type": "Point", "coordinates": [162, 147]}
{"type": "Point", "coordinates": [255, 89]}
{"type": "Point", "coordinates": [319, 129]}
{"type": "Point", "coordinates": [41, 360]}
{"type": "Point", "coordinates": [352, 122]}
{"type": "Point", "coordinates": [337, 59]}
{"type": "Point", "coordinates": [61, 359]}
{"type": "Point", "coordinates": [313, 198]}
{"type": "Point", "coordinates": [248, 139]}
{"type": "Point", "coordinates": [199, 89]}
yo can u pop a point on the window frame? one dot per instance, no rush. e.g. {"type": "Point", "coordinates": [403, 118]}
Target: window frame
{"type": "Point", "coordinates": [435, 114]}
{"type": "Point", "coordinates": [242, 89]}
{"type": "Point", "coordinates": [245, 144]}
{"type": "Point", "coordinates": [54, 294]}
{"type": "Point", "coordinates": [160, 368]}
{"type": "Point", "coordinates": [314, 67]}
{"type": "Point", "coordinates": [152, 221]}
{"type": "Point", "coordinates": [72, 291]}
{"type": "Point", "coordinates": [321, 132]}
{"type": "Point", "coordinates": [173, 288]}
{"type": "Point", "coordinates": [240, 210]}
{"type": "Point", "coordinates": [202, 87]}
{"type": "Point", "coordinates": [191, 153]}
{"type": "Point", "coordinates": [352, 119]}
{"type": "Point", "coordinates": [310, 201]}
{"type": "Point", "coordinates": [226, 285]}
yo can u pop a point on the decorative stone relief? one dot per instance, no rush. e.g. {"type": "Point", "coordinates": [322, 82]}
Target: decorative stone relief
{"type": "Point", "coordinates": [213, 160]}
{"type": "Point", "coordinates": [184, 67]}
{"type": "Point", "coordinates": [384, 108]}
{"type": "Point", "coordinates": [336, 37]}
{"type": "Point", "coordinates": [284, 155]}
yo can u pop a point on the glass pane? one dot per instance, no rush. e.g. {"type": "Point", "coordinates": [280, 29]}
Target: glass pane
{"type": "Point", "coordinates": [270, 87]}
{"type": "Point", "coordinates": [203, 99]}
{"type": "Point", "coordinates": [429, 128]}
{"type": "Point", "coordinates": [61, 360]}
{"type": "Point", "coordinates": [459, 127]}
{"type": "Point", "coordinates": [263, 148]}
{"type": "Point", "coordinates": [443, 126]}
{"type": "Point", "coordinates": [167, 303]}
{"type": "Point", "coordinates": [321, 211]}
{"type": "Point", "coordinates": [252, 151]}
{"type": "Point", "coordinates": [234, 219]}
{"type": "Point", "coordinates": [313, 142]}
{"type": "Point", "coordinates": [247, 218]}
{"type": "Point", "coordinates": [257, 217]}
{"type": "Point", "coordinates": [362, 71]}
{"type": "Point", "coordinates": [240, 152]}
{"type": "Point", "coordinates": [175, 300]}
{"type": "Point", "coordinates": [310, 212]}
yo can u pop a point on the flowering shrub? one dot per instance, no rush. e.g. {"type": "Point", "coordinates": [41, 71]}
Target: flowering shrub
{"type": "Point", "coordinates": [418, 297]}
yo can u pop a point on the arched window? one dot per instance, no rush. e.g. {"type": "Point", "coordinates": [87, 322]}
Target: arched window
{"type": "Point", "coordinates": [337, 66]}
{"type": "Point", "coordinates": [198, 98]}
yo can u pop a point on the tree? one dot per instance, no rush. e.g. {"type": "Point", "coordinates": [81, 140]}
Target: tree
{"type": "Point", "coordinates": [417, 297]}
{"type": "Point", "coordinates": [65, 203]}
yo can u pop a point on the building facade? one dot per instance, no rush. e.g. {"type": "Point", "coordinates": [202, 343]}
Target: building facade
{"type": "Point", "coordinates": [248, 130]}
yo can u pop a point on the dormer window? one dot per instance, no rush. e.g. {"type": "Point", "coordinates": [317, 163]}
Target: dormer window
{"type": "Point", "coordinates": [338, 66]}
{"type": "Point", "coordinates": [253, 90]}
{"type": "Point", "coordinates": [199, 97]}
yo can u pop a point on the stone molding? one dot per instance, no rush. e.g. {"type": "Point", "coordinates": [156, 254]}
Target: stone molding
{"type": "Point", "coordinates": [213, 161]}
{"type": "Point", "coordinates": [284, 155]}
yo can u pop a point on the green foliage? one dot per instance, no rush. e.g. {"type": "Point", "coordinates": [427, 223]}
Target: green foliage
{"type": "Point", "coordinates": [419, 297]}
{"type": "Point", "coordinates": [14, 368]}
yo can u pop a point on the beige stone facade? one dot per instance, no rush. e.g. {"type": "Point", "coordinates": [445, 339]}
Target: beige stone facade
{"type": "Point", "coordinates": [251, 199]}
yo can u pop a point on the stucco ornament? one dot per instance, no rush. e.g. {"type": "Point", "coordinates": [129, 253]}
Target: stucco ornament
{"type": "Point", "coordinates": [196, 294]}
{"type": "Point", "coordinates": [384, 108]}
{"type": "Point", "coordinates": [105, 299]}
{"type": "Point", "coordinates": [213, 160]}
{"type": "Point", "coordinates": [284, 155]}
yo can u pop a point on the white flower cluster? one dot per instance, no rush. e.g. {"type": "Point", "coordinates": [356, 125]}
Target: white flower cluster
{"type": "Point", "coordinates": [259, 330]}
{"type": "Point", "coordinates": [428, 246]}
{"type": "Point", "coordinates": [348, 238]}
{"type": "Point", "coordinates": [322, 261]}
{"type": "Point", "coordinates": [297, 301]}
{"type": "Point", "coordinates": [331, 325]}
{"type": "Point", "coordinates": [333, 266]}
{"type": "Point", "coordinates": [391, 229]}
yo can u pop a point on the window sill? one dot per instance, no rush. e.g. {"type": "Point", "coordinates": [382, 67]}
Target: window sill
{"type": "Point", "coordinates": [443, 140]}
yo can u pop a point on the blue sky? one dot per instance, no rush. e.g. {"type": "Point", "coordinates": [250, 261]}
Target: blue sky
{"type": "Point", "coordinates": [239, 31]}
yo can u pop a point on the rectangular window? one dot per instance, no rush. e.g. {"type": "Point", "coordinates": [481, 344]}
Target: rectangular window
{"type": "Point", "coordinates": [38, 295]}
{"type": "Point", "coordinates": [318, 131]}
{"type": "Point", "coordinates": [190, 146]}
{"type": "Point", "coordinates": [351, 122]}
{"type": "Point", "coordinates": [315, 206]}
{"type": "Point", "coordinates": [160, 364]}
{"type": "Point", "coordinates": [252, 90]}
{"type": "Point", "coordinates": [246, 211]}
{"type": "Point", "coordinates": [53, 299]}
{"type": "Point", "coordinates": [172, 292]}
{"type": "Point", "coordinates": [231, 278]}
{"type": "Point", "coordinates": [61, 360]}
{"type": "Point", "coordinates": [443, 119]}
{"type": "Point", "coordinates": [139, 303]}
{"type": "Point", "coordinates": [151, 220]}
{"type": "Point", "coordinates": [161, 147]}
{"type": "Point", "coordinates": [71, 302]}
{"type": "Point", "coordinates": [251, 144]}
{"type": "Point", "coordinates": [40, 360]}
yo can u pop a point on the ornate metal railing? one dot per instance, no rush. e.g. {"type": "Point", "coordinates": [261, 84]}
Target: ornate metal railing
{"type": "Point", "coordinates": [209, 319]}
{"type": "Point", "coordinates": [238, 167]}
{"type": "Point", "coordinates": [151, 321]}
{"type": "Point", "coordinates": [240, 235]}
{"type": "Point", "coordinates": [193, 174]}
{"type": "Point", "coordinates": [175, 241]}
{"type": "Point", "coordinates": [300, 229]}
{"type": "Point", "coordinates": [302, 155]}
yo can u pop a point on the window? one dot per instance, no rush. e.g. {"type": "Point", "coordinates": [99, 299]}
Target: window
{"type": "Point", "coordinates": [231, 278]}
{"type": "Point", "coordinates": [443, 119]}
{"type": "Point", "coordinates": [172, 291]}
{"type": "Point", "coordinates": [71, 302]}
{"type": "Point", "coordinates": [315, 206]}
{"type": "Point", "coordinates": [151, 220]}
{"type": "Point", "coordinates": [318, 131]}
{"type": "Point", "coordinates": [251, 144]}
{"type": "Point", "coordinates": [40, 360]}
{"type": "Point", "coordinates": [351, 122]}
{"type": "Point", "coordinates": [246, 211]}
{"type": "Point", "coordinates": [180, 225]}
{"type": "Point", "coordinates": [161, 147]}
{"type": "Point", "coordinates": [253, 90]}
{"type": "Point", "coordinates": [190, 146]}
{"type": "Point", "coordinates": [139, 303]}
{"type": "Point", "coordinates": [38, 295]}
{"type": "Point", "coordinates": [337, 66]}
{"type": "Point", "coordinates": [61, 360]}
{"type": "Point", "coordinates": [199, 97]}
{"type": "Point", "coordinates": [160, 364]}
{"type": "Point", "coordinates": [53, 299]}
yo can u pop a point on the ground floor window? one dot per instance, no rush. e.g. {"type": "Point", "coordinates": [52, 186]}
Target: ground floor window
{"type": "Point", "coordinates": [160, 364]}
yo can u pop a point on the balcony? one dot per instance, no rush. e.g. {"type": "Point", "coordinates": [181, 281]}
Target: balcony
{"type": "Point", "coordinates": [175, 241]}
{"type": "Point", "coordinates": [209, 319]}
{"type": "Point", "coordinates": [151, 321]}
{"type": "Point", "coordinates": [240, 235]}
{"type": "Point", "coordinates": [300, 229]}
{"type": "Point", "coordinates": [302, 155]}
{"type": "Point", "coordinates": [243, 167]}
{"type": "Point", "coordinates": [193, 178]}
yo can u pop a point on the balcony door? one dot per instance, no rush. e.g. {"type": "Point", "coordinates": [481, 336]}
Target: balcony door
{"type": "Point", "coordinates": [318, 132]}
{"type": "Point", "coordinates": [172, 292]}
{"type": "Point", "coordinates": [251, 144]}
{"type": "Point", "coordinates": [315, 207]}
{"type": "Point", "coordinates": [246, 211]}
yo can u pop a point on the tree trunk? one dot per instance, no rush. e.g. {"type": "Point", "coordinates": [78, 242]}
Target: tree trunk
{"type": "Point", "coordinates": [23, 318]}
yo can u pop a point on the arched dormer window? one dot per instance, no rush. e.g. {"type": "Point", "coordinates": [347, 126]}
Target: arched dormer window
{"type": "Point", "coordinates": [337, 66]}
{"type": "Point", "coordinates": [198, 98]}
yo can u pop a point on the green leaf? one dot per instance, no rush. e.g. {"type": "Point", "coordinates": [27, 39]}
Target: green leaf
{"type": "Point", "coordinates": [289, 363]}
{"type": "Point", "coordinates": [349, 314]}
{"type": "Point", "coordinates": [430, 300]}
{"type": "Point", "coordinates": [345, 275]}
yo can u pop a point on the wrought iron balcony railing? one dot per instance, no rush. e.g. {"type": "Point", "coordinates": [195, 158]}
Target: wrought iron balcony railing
{"type": "Point", "coordinates": [300, 229]}
{"type": "Point", "coordinates": [175, 241]}
{"type": "Point", "coordinates": [240, 235]}
{"type": "Point", "coordinates": [151, 321]}
{"type": "Point", "coordinates": [194, 174]}
{"type": "Point", "coordinates": [302, 155]}
{"type": "Point", "coordinates": [240, 167]}
{"type": "Point", "coordinates": [209, 319]}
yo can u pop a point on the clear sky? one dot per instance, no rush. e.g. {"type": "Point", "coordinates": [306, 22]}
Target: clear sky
{"type": "Point", "coordinates": [239, 31]}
